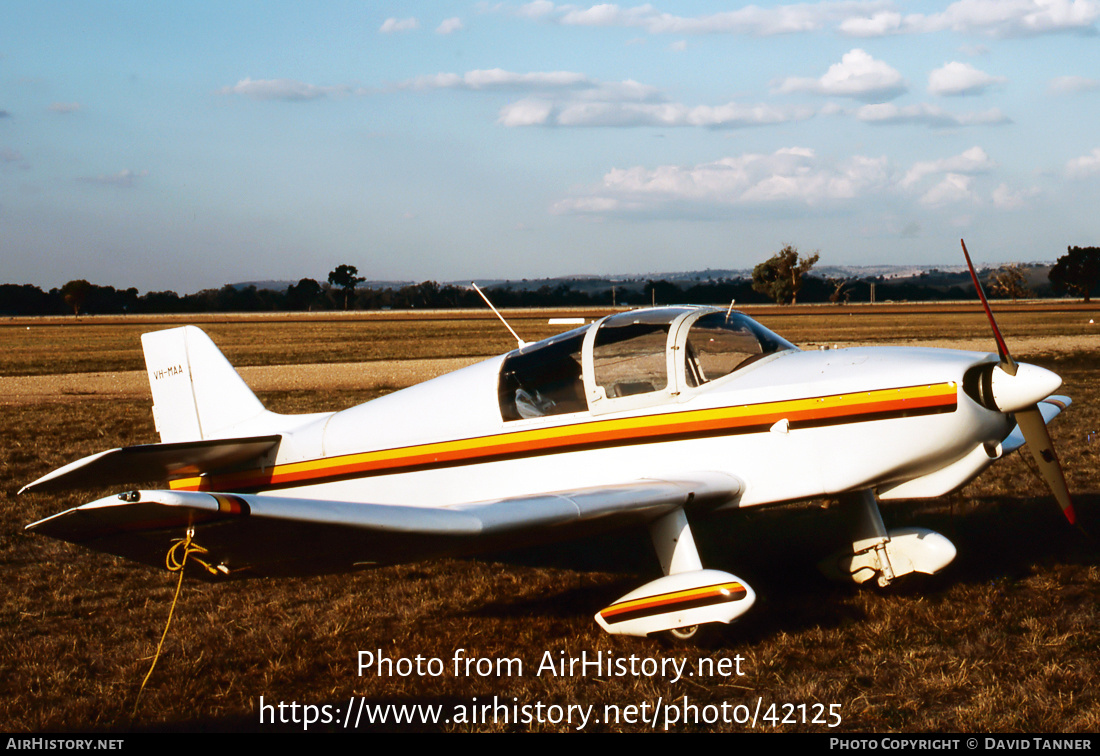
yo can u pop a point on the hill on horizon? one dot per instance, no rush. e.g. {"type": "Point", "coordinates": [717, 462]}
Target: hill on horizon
{"type": "Point", "coordinates": [1034, 272]}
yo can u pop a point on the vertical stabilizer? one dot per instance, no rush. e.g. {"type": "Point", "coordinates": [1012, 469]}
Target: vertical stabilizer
{"type": "Point", "coordinates": [196, 392]}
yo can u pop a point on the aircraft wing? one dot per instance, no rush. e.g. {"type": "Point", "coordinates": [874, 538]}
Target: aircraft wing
{"type": "Point", "coordinates": [258, 535]}
{"type": "Point", "coordinates": [1050, 408]}
{"type": "Point", "coordinates": [156, 462]}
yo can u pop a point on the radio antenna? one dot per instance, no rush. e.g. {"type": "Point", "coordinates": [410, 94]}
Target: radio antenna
{"type": "Point", "coordinates": [521, 342]}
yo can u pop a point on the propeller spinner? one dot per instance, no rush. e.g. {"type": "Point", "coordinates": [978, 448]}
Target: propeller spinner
{"type": "Point", "coordinates": [1017, 389]}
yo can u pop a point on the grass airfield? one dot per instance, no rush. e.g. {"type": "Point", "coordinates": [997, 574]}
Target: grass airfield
{"type": "Point", "coordinates": [1005, 640]}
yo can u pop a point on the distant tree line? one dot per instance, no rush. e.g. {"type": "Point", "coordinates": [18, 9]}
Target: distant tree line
{"type": "Point", "coordinates": [779, 279]}
{"type": "Point", "coordinates": [83, 298]}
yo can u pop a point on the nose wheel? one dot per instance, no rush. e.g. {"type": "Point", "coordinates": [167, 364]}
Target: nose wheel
{"type": "Point", "coordinates": [878, 553]}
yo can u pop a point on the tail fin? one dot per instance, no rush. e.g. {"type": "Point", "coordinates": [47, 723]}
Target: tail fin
{"type": "Point", "coordinates": [196, 392]}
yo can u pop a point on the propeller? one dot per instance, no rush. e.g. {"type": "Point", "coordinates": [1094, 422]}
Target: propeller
{"type": "Point", "coordinates": [1018, 390]}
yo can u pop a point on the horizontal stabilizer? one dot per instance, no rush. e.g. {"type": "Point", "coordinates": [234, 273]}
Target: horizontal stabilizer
{"type": "Point", "coordinates": [253, 535]}
{"type": "Point", "coordinates": [1050, 408]}
{"type": "Point", "coordinates": [135, 464]}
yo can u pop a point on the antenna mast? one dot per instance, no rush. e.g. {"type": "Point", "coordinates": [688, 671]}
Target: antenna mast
{"type": "Point", "coordinates": [521, 342]}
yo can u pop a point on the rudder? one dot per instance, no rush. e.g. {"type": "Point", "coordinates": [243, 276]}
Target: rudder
{"type": "Point", "coordinates": [196, 392]}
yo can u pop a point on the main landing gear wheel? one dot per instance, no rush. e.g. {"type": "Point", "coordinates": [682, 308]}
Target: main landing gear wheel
{"type": "Point", "coordinates": [684, 633]}
{"type": "Point", "coordinates": [695, 635]}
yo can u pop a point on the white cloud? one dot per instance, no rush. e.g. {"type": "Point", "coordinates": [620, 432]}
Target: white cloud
{"type": "Point", "coordinates": [793, 174]}
{"type": "Point", "coordinates": [1072, 84]}
{"type": "Point", "coordinates": [856, 18]}
{"type": "Point", "coordinates": [1084, 166]}
{"type": "Point", "coordinates": [625, 91]}
{"type": "Point", "coordinates": [679, 45]}
{"type": "Point", "coordinates": [124, 178]}
{"type": "Point", "coordinates": [960, 79]}
{"type": "Point", "coordinates": [592, 205]}
{"type": "Point", "coordinates": [280, 89]}
{"type": "Point", "coordinates": [537, 9]}
{"type": "Point", "coordinates": [1011, 18]}
{"type": "Point", "coordinates": [928, 115]}
{"type": "Point", "coordinates": [567, 98]}
{"type": "Point", "coordinates": [608, 14]}
{"type": "Point", "coordinates": [1006, 199]}
{"type": "Point", "coordinates": [954, 188]}
{"type": "Point", "coordinates": [974, 160]}
{"type": "Point", "coordinates": [845, 181]}
{"type": "Point", "coordinates": [857, 75]}
{"type": "Point", "coordinates": [875, 25]}
{"type": "Point", "coordinates": [751, 19]}
{"type": "Point", "coordinates": [450, 26]}
{"type": "Point", "coordinates": [996, 18]}
{"type": "Point", "coordinates": [392, 25]}
{"type": "Point", "coordinates": [527, 112]}
{"type": "Point", "coordinates": [581, 112]}
{"type": "Point", "coordinates": [498, 78]}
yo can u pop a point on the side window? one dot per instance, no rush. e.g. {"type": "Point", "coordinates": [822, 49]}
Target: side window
{"type": "Point", "coordinates": [545, 380]}
{"type": "Point", "coordinates": [629, 358]}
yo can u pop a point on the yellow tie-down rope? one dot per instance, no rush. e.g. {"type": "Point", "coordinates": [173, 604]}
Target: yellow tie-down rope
{"type": "Point", "coordinates": [174, 560]}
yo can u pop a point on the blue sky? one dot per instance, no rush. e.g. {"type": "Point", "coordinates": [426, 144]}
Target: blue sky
{"type": "Point", "coordinates": [183, 146]}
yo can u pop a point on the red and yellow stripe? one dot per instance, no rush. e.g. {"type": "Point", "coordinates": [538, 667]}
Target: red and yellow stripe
{"type": "Point", "coordinates": [666, 426]}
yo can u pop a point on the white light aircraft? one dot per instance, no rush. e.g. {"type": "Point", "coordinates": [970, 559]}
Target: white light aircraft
{"type": "Point", "coordinates": [655, 417]}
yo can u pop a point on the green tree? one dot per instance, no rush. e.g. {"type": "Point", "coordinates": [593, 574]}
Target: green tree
{"type": "Point", "coordinates": [663, 292]}
{"type": "Point", "coordinates": [780, 277]}
{"type": "Point", "coordinates": [345, 277]}
{"type": "Point", "coordinates": [304, 294]}
{"type": "Point", "coordinates": [75, 293]}
{"type": "Point", "coordinates": [1077, 272]}
{"type": "Point", "coordinates": [1009, 282]}
{"type": "Point", "coordinates": [841, 294]}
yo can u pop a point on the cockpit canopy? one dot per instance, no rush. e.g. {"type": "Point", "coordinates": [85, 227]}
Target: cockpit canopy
{"type": "Point", "coordinates": [631, 359]}
{"type": "Point", "coordinates": [544, 378]}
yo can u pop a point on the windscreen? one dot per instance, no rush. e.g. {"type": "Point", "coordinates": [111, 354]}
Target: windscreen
{"type": "Point", "coordinates": [720, 343]}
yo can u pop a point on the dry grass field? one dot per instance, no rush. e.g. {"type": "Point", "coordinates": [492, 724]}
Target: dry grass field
{"type": "Point", "coordinates": [1007, 639]}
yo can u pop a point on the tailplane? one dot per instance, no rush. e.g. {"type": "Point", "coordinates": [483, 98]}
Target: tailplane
{"type": "Point", "coordinates": [196, 392]}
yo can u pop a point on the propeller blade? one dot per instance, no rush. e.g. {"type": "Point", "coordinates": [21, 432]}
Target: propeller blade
{"type": "Point", "coordinates": [1038, 441]}
{"type": "Point", "coordinates": [1007, 363]}
{"type": "Point", "coordinates": [1030, 419]}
